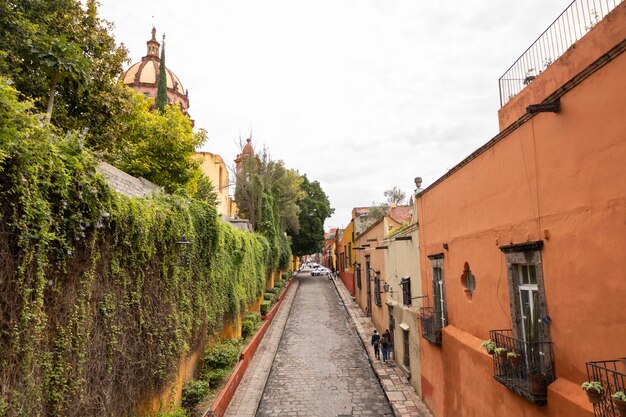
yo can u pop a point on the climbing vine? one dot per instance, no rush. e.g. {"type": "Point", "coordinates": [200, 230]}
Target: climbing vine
{"type": "Point", "coordinates": [95, 312]}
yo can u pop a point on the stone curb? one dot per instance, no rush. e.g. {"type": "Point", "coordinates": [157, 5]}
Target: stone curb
{"type": "Point", "coordinates": [285, 308]}
{"type": "Point", "coordinates": [400, 393]}
{"type": "Point", "coordinates": [220, 405]}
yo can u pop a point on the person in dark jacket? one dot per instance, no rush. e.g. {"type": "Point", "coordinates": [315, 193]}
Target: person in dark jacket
{"type": "Point", "coordinates": [376, 344]}
{"type": "Point", "coordinates": [385, 345]}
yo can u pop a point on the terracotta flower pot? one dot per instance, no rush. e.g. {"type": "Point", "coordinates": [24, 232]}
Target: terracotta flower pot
{"type": "Point", "coordinates": [515, 360]}
{"type": "Point", "coordinates": [538, 385]}
{"type": "Point", "coordinates": [620, 407]}
{"type": "Point", "coordinates": [594, 396]}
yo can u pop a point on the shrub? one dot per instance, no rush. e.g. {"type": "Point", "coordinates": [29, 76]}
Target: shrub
{"type": "Point", "coordinates": [272, 290]}
{"type": "Point", "coordinates": [221, 355]}
{"type": "Point", "coordinates": [175, 412]}
{"type": "Point", "coordinates": [247, 328]}
{"type": "Point", "coordinates": [254, 317]}
{"type": "Point", "coordinates": [265, 308]}
{"type": "Point", "coordinates": [215, 377]}
{"type": "Point", "coordinates": [194, 391]}
{"type": "Point", "coordinates": [269, 297]}
{"type": "Point", "coordinates": [286, 275]}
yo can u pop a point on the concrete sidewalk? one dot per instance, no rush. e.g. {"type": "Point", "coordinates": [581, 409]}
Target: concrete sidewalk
{"type": "Point", "coordinates": [401, 395]}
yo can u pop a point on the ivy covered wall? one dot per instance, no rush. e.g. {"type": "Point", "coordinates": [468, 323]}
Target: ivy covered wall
{"type": "Point", "coordinates": [94, 311]}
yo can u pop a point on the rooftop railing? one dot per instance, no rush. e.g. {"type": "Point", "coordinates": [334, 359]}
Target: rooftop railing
{"type": "Point", "coordinates": [571, 25]}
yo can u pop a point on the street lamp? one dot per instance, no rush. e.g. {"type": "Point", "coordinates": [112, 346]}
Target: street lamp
{"type": "Point", "coordinates": [183, 251]}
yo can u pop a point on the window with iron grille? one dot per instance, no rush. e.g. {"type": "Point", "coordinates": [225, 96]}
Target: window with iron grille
{"type": "Point", "coordinates": [358, 275]}
{"type": "Point", "coordinates": [377, 289]}
{"type": "Point", "coordinates": [405, 283]}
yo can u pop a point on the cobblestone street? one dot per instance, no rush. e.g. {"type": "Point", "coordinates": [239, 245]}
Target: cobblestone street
{"type": "Point", "coordinates": [321, 368]}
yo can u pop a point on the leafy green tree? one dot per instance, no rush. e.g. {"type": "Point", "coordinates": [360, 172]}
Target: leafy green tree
{"type": "Point", "coordinates": [63, 59]}
{"type": "Point", "coordinates": [261, 175]}
{"type": "Point", "coordinates": [158, 147]}
{"type": "Point", "coordinates": [72, 31]}
{"type": "Point", "coordinates": [314, 210]}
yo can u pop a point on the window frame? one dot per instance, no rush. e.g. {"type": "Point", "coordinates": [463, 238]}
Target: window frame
{"type": "Point", "coordinates": [405, 283]}
{"type": "Point", "coordinates": [377, 297]}
{"type": "Point", "coordinates": [517, 256]}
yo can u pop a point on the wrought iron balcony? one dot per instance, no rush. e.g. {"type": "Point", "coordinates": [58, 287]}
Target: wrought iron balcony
{"type": "Point", "coordinates": [612, 375]}
{"type": "Point", "coordinates": [571, 25]}
{"type": "Point", "coordinates": [530, 372]}
{"type": "Point", "coordinates": [433, 320]}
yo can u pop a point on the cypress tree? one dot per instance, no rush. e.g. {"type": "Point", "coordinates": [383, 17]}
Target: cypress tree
{"type": "Point", "coordinates": [161, 97]}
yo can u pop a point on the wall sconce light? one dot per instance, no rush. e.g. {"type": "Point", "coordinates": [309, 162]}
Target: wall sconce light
{"type": "Point", "coordinates": [445, 246]}
{"type": "Point", "coordinates": [183, 251]}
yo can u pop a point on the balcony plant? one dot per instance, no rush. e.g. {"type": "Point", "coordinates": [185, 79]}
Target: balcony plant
{"type": "Point", "coordinates": [594, 390]}
{"type": "Point", "coordinates": [489, 345]}
{"type": "Point", "coordinates": [501, 352]}
{"type": "Point", "coordinates": [514, 358]}
{"type": "Point", "coordinates": [619, 403]}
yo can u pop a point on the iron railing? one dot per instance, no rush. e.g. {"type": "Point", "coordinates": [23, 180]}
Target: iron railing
{"type": "Point", "coordinates": [432, 322]}
{"type": "Point", "coordinates": [529, 372]}
{"type": "Point", "coordinates": [612, 375]}
{"type": "Point", "coordinates": [571, 25]}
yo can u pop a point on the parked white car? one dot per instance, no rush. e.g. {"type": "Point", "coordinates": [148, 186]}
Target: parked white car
{"type": "Point", "coordinates": [320, 271]}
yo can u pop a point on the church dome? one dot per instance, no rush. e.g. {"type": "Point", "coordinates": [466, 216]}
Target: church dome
{"type": "Point", "coordinates": [147, 72]}
{"type": "Point", "coordinates": [143, 76]}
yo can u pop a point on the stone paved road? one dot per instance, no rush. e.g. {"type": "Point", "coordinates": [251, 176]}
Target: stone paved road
{"type": "Point", "coordinates": [321, 368]}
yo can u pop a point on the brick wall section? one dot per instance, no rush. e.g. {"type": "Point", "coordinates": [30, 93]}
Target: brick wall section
{"type": "Point", "coordinates": [126, 184]}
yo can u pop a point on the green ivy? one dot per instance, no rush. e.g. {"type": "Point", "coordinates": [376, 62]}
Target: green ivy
{"type": "Point", "coordinates": [100, 311]}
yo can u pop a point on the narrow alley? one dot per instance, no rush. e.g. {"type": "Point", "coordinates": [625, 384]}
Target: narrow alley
{"type": "Point", "coordinates": [321, 368]}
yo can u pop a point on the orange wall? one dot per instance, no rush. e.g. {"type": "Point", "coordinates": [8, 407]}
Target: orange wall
{"type": "Point", "coordinates": [561, 173]}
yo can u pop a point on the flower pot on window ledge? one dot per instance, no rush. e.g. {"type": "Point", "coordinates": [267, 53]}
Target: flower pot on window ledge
{"type": "Point", "coordinates": [619, 404]}
{"type": "Point", "coordinates": [514, 358]}
{"type": "Point", "coordinates": [594, 394]}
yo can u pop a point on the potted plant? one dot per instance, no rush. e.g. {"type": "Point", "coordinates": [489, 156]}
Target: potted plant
{"type": "Point", "coordinates": [594, 391]}
{"type": "Point", "coordinates": [489, 345]}
{"type": "Point", "coordinates": [514, 358]}
{"type": "Point", "coordinates": [501, 352]}
{"type": "Point", "coordinates": [619, 403]}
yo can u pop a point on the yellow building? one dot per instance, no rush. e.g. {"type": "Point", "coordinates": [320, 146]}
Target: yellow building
{"type": "Point", "coordinates": [213, 166]}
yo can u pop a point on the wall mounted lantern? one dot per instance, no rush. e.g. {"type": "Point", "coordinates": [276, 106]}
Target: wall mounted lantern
{"type": "Point", "coordinates": [184, 246]}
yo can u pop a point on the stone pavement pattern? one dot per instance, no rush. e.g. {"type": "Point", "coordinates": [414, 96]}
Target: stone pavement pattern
{"type": "Point", "coordinates": [321, 368]}
{"type": "Point", "coordinates": [248, 395]}
{"type": "Point", "coordinates": [404, 400]}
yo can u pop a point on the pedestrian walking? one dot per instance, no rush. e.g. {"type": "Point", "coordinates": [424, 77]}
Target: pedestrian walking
{"type": "Point", "coordinates": [376, 344]}
{"type": "Point", "coordinates": [385, 345]}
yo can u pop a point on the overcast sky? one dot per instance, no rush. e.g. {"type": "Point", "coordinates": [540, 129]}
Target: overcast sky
{"type": "Point", "coordinates": [361, 95]}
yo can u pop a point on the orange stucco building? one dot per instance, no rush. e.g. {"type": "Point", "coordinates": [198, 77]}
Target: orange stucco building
{"type": "Point", "coordinates": [522, 243]}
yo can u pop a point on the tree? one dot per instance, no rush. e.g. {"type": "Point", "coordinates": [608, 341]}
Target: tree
{"type": "Point", "coordinates": [314, 210]}
{"type": "Point", "coordinates": [158, 147]}
{"type": "Point", "coordinates": [29, 28]}
{"type": "Point", "coordinates": [261, 175]}
{"type": "Point", "coordinates": [395, 195]}
{"type": "Point", "coordinates": [63, 59]}
{"type": "Point", "coordinates": [161, 97]}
